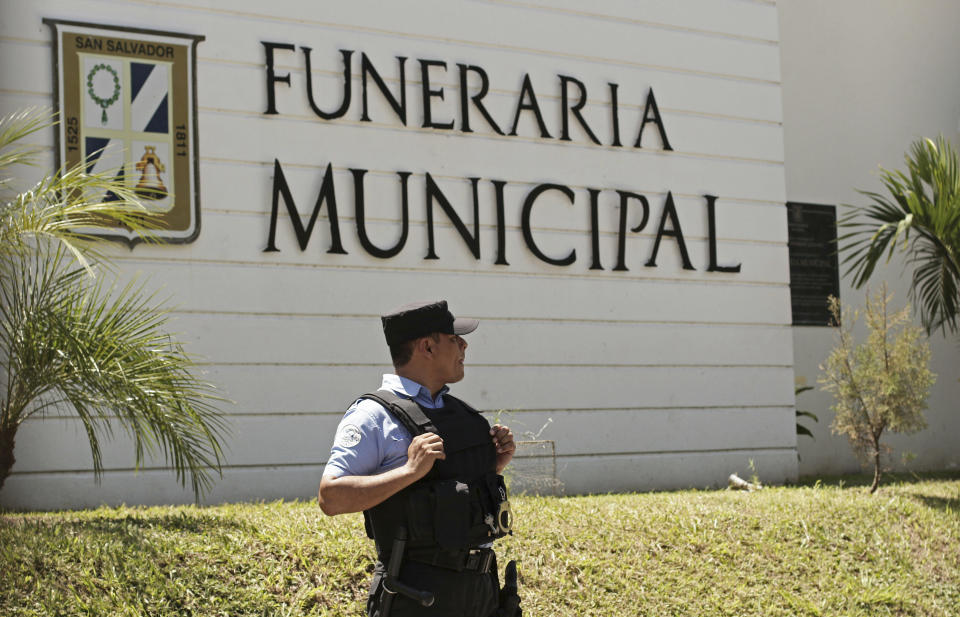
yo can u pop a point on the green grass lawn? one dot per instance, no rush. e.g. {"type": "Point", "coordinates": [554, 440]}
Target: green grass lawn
{"type": "Point", "coordinates": [810, 550]}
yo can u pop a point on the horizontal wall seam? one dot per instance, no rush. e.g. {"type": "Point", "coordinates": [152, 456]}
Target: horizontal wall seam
{"type": "Point", "coordinates": [316, 167]}
{"type": "Point", "coordinates": [298, 70]}
{"type": "Point", "coordinates": [501, 273]}
{"type": "Point", "coordinates": [445, 224]}
{"type": "Point", "coordinates": [46, 94]}
{"type": "Point", "coordinates": [784, 449]}
{"type": "Point", "coordinates": [134, 470]}
{"type": "Point", "coordinates": [474, 137]}
{"type": "Point", "coordinates": [356, 79]}
{"type": "Point", "coordinates": [317, 465]}
{"type": "Point", "coordinates": [667, 452]}
{"type": "Point", "coordinates": [508, 411]}
{"type": "Point", "coordinates": [505, 365]}
{"type": "Point", "coordinates": [345, 173]}
{"type": "Point", "coordinates": [495, 319]}
{"type": "Point", "coordinates": [636, 22]}
{"type": "Point", "coordinates": [446, 41]}
{"type": "Point", "coordinates": [20, 40]}
{"type": "Point", "coordinates": [664, 110]}
{"type": "Point", "coordinates": [707, 408]}
{"type": "Point", "coordinates": [413, 220]}
{"type": "Point", "coordinates": [455, 88]}
{"type": "Point", "coordinates": [696, 73]}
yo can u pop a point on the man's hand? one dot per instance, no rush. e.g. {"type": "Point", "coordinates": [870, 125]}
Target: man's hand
{"type": "Point", "coordinates": [503, 442]}
{"type": "Point", "coordinates": [357, 493]}
{"type": "Point", "coordinates": [424, 450]}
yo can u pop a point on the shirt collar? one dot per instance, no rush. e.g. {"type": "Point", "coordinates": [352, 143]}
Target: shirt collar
{"type": "Point", "coordinates": [413, 390]}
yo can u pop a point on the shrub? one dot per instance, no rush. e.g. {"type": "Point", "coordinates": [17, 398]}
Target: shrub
{"type": "Point", "coordinates": [879, 385]}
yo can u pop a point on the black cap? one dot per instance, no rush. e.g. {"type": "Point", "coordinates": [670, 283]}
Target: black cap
{"type": "Point", "coordinates": [418, 319]}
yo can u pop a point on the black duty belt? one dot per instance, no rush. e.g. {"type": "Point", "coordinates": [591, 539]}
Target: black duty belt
{"type": "Point", "coordinates": [473, 560]}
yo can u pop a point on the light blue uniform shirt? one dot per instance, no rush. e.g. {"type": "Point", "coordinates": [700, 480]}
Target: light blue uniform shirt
{"type": "Point", "coordinates": [369, 439]}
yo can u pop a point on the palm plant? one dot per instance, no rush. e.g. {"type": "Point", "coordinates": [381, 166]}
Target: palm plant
{"type": "Point", "coordinates": [72, 343]}
{"type": "Point", "coordinates": [925, 202]}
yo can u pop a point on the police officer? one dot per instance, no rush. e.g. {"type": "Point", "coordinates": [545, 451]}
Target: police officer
{"type": "Point", "coordinates": [411, 456]}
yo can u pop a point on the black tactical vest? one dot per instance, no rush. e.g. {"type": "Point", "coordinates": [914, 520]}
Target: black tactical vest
{"type": "Point", "coordinates": [453, 506]}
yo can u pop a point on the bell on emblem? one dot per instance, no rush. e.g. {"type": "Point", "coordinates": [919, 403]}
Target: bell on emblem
{"type": "Point", "coordinates": [150, 167]}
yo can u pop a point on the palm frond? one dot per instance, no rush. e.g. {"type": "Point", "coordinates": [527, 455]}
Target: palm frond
{"type": "Point", "coordinates": [17, 126]}
{"type": "Point", "coordinates": [72, 343]}
{"type": "Point", "coordinates": [921, 207]}
{"type": "Point", "coordinates": [935, 288]}
{"type": "Point", "coordinates": [88, 348]}
{"type": "Point", "coordinates": [68, 205]}
{"type": "Point", "coordinates": [67, 208]}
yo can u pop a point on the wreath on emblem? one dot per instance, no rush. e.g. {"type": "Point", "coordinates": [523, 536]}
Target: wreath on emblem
{"type": "Point", "coordinates": [103, 103]}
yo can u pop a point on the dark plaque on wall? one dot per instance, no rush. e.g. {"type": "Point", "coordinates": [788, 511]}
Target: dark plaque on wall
{"type": "Point", "coordinates": [814, 268]}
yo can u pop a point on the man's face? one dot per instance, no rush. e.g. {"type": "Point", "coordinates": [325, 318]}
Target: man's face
{"type": "Point", "coordinates": [448, 357]}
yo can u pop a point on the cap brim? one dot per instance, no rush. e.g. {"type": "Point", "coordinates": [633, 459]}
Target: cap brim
{"type": "Point", "coordinates": [464, 325]}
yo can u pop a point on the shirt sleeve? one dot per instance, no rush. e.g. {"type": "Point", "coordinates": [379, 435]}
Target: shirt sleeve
{"type": "Point", "coordinates": [368, 441]}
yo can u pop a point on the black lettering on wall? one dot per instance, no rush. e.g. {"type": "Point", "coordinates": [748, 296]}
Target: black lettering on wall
{"type": "Point", "coordinates": [670, 212]}
{"type": "Point", "coordinates": [280, 188]}
{"type": "Point", "coordinates": [501, 224]}
{"type": "Point", "coordinates": [272, 77]}
{"type": "Point", "coordinates": [472, 241]}
{"type": "Point", "coordinates": [429, 94]}
{"type": "Point", "coordinates": [476, 98]}
{"type": "Point", "coordinates": [615, 113]}
{"type": "Point", "coordinates": [528, 232]}
{"type": "Point", "coordinates": [526, 92]}
{"type": "Point", "coordinates": [400, 107]}
{"type": "Point", "coordinates": [669, 225]}
{"type": "Point", "coordinates": [347, 83]}
{"type": "Point", "coordinates": [360, 207]}
{"type": "Point", "coordinates": [595, 229]}
{"type": "Point", "coordinates": [572, 102]}
{"type": "Point", "coordinates": [712, 238]}
{"type": "Point", "coordinates": [575, 110]}
{"type": "Point", "coordinates": [625, 198]}
{"type": "Point", "coordinates": [651, 113]}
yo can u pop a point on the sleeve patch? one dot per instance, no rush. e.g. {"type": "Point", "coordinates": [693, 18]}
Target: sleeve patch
{"type": "Point", "coordinates": [348, 436]}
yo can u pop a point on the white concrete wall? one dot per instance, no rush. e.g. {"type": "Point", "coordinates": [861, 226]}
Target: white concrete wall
{"type": "Point", "coordinates": [862, 79]}
{"type": "Point", "coordinates": [654, 377]}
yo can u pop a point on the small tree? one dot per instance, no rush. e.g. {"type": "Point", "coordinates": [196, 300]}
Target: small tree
{"type": "Point", "coordinates": [74, 343]}
{"type": "Point", "coordinates": [880, 385]}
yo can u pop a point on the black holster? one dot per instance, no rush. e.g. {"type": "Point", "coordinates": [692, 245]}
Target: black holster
{"type": "Point", "coordinates": [509, 598]}
{"type": "Point", "coordinates": [391, 585]}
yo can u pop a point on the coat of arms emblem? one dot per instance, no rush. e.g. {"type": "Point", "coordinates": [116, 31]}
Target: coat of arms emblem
{"type": "Point", "coordinates": [127, 103]}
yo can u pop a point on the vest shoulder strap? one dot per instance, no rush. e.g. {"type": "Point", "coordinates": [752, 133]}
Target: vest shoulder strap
{"type": "Point", "coordinates": [405, 410]}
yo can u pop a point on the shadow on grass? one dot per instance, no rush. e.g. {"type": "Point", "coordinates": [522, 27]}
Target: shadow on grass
{"type": "Point", "coordinates": [944, 504]}
{"type": "Point", "coordinates": [865, 480]}
{"type": "Point", "coordinates": [180, 522]}
{"type": "Point", "coordinates": [129, 530]}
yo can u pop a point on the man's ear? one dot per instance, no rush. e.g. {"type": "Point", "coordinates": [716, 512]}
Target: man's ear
{"type": "Point", "coordinates": [424, 345]}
